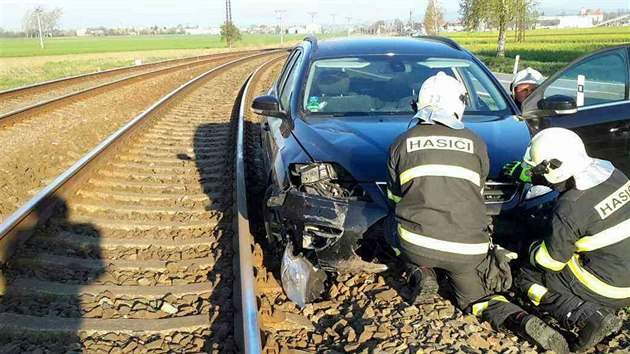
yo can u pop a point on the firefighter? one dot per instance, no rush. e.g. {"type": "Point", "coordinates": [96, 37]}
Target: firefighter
{"type": "Point", "coordinates": [436, 176]}
{"type": "Point", "coordinates": [523, 84]}
{"type": "Point", "coordinates": [581, 273]}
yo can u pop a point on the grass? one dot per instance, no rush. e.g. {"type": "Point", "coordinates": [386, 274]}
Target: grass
{"type": "Point", "coordinates": [544, 50]}
{"type": "Point", "coordinates": [22, 62]}
{"type": "Point", "coordinates": [28, 47]}
{"type": "Point", "coordinates": [21, 71]}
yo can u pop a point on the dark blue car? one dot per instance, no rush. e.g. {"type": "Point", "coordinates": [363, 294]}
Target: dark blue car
{"type": "Point", "coordinates": [327, 126]}
{"type": "Point", "coordinates": [591, 96]}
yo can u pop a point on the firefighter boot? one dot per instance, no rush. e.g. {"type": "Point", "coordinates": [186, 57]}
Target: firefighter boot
{"type": "Point", "coordinates": [535, 330]}
{"type": "Point", "coordinates": [423, 284]}
{"type": "Point", "coordinates": [596, 327]}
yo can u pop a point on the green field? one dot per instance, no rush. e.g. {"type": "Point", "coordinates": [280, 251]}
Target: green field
{"type": "Point", "coordinates": [22, 62]}
{"type": "Point", "coordinates": [27, 47]}
{"type": "Point", "coordinates": [544, 50]}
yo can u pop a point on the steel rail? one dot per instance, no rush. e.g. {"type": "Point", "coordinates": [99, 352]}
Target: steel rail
{"type": "Point", "coordinates": [249, 307]}
{"type": "Point", "coordinates": [19, 226]}
{"type": "Point", "coordinates": [9, 117]}
{"type": "Point", "coordinates": [116, 70]}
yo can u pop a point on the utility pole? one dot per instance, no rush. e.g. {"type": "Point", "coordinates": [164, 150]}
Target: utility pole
{"type": "Point", "coordinates": [280, 12]}
{"type": "Point", "coordinates": [348, 18]}
{"type": "Point", "coordinates": [228, 19]}
{"type": "Point", "coordinates": [312, 13]}
{"type": "Point", "coordinates": [228, 12]}
{"type": "Point", "coordinates": [38, 12]}
{"type": "Point", "coordinates": [334, 27]}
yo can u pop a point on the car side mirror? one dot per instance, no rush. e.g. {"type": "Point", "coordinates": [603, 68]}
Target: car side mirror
{"type": "Point", "coordinates": [559, 104]}
{"type": "Point", "coordinates": [555, 105]}
{"type": "Point", "coordinates": [268, 105]}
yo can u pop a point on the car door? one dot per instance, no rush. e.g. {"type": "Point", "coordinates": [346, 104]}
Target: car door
{"type": "Point", "coordinates": [600, 85]}
{"type": "Point", "coordinates": [270, 125]}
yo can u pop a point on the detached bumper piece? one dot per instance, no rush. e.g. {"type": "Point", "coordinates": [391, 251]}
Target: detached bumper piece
{"type": "Point", "coordinates": [333, 227]}
{"type": "Point", "coordinates": [301, 281]}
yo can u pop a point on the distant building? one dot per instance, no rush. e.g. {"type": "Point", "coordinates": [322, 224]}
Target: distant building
{"type": "Point", "coordinates": [214, 30]}
{"type": "Point", "coordinates": [453, 27]}
{"type": "Point", "coordinates": [82, 32]}
{"type": "Point", "coordinates": [587, 18]}
{"type": "Point", "coordinates": [314, 28]}
{"type": "Point", "coordinates": [296, 30]}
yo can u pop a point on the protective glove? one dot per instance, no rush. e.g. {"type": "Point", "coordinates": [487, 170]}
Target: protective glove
{"type": "Point", "coordinates": [515, 170]}
{"type": "Point", "coordinates": [498, 276]}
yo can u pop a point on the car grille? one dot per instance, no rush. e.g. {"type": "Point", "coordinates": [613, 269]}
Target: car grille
{"type": "Point", "coordinates": [499, 192]}
{"type": "Point", "coordinates": [494, 193]}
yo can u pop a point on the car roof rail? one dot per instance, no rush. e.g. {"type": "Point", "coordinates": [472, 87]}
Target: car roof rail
{"type": "Point", "coordinates": [313, 41]}
{"type": "Point", "coordinates": [451, 43]}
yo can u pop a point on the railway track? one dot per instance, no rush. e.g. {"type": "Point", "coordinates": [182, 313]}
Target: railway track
{"type": "Point", "coordinates": [130, 250]}
{"type": "Point", "coordinates": [41, 141]}
{"type": "Point", "coordinates": [17, 99]}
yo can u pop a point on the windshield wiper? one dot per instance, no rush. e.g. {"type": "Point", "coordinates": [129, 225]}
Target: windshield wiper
{"type": "Point", "coordinates": [351, 114]}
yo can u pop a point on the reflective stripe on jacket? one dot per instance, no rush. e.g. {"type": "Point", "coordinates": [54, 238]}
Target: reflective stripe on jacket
{"type": "Point", "coordinates": [589, 232]}
{"type": "Point", "coordinates": [436, 177]}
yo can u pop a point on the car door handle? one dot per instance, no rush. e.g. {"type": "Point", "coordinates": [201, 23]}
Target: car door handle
{"type": "Point", "coordinates": [265, 126]}
{"type": "Point", "coordinates": [620, 130]}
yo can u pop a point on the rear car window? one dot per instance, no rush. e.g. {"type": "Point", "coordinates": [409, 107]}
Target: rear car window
{"type": "Point", "coordinates": [385, 84]}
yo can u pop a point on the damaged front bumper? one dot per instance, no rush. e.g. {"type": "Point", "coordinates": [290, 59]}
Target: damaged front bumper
{"type": "Point", "coordinates": [331, 228]}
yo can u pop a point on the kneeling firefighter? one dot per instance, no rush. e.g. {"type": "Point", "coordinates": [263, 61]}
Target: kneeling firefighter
{"type": "Point", "coordinates": [582, 268]}
{"type": "Point", "coordinates": [436, 175]}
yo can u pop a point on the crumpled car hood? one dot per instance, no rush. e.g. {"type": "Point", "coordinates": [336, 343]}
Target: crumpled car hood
{"type": "Point", "coordinates": [361, 144]}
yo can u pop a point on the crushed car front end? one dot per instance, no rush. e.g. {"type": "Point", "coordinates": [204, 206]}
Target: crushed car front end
{"type": "Point", "coordinates": [327, 202]}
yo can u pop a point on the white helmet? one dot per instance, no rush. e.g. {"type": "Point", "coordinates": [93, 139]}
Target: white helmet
{"type": "Point", "coordinates": [444, 93]}
{"type": "Point", "coordinates": [526, 76]}
{"type": "Point", "coordinates": [559, 154]}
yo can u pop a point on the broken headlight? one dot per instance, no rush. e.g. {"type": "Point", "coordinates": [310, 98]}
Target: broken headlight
{"type": "Point", "coordinates": [326, 180]}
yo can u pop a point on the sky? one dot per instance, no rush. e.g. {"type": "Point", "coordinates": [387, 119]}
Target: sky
{"type": "Point", "coordinates": [207, 13]}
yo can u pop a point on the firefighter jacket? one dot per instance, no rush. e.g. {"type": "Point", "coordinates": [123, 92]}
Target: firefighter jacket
{"type": "Point", "coordinates": [436, 177]}
{"type": "Point", "coordinates": [589, 233]}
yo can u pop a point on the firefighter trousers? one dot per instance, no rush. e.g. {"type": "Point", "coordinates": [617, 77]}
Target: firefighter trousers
{"type": "Point", "coordinates": [469, 287]}
{"type": "Point", "coordinates": [562, 296]}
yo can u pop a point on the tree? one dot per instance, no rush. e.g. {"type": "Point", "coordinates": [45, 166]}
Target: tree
{"type": "Point", "coordinates": [49, 20]}
{"type": "Point", "coordinates": [29, 23]}
{"type": "Point", "coordinates": [433, 18]}
{"type": "Point", "coordinates": [496, 13]}
{"type": "Point", "coordinates": [526, 17]}
{"type": "Point", "coordinates": [398, 25]}
{"type": "Point", "coordinates": [230, 34]}
{"type": "Point", "coordinates": [470, 12]}
{"type": "Point", "coordinates": [377, 27]}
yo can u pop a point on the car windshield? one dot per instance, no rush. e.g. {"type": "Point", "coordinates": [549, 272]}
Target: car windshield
{"type": "Point", "coordinates": [386, 84]}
